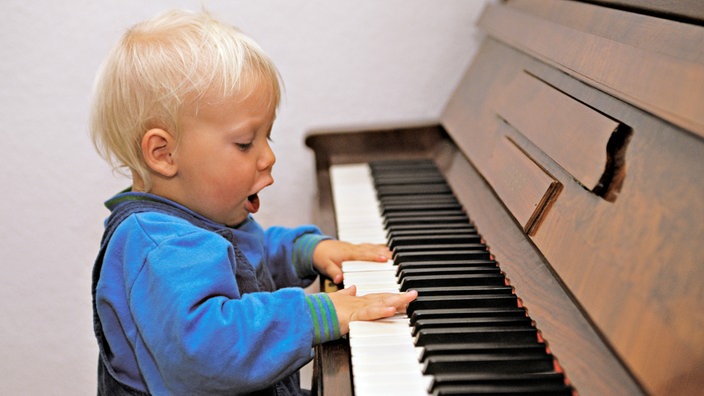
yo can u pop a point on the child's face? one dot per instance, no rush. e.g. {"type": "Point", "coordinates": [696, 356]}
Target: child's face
{"type": "Point", "coordinates": [224, 158]}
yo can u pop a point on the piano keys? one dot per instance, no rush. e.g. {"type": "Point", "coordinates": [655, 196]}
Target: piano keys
{"type": "Point", "coordinates": [466, 332]}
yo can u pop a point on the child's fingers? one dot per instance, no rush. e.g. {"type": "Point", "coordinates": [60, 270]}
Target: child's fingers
{"type": "Point", "coordinates": [402, 300]}
{"type": "Point", "coordinates": [334, 272]}
{"type": "Point", "coordinates": [377, 252]}
{"type": "Point", "coordinates": [373, 312]}
{"type": "Point", "coordinates": [385, 305]}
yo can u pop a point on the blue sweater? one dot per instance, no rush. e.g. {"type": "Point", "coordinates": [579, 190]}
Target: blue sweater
{"type": "Point", "coordinates": [175, 318]}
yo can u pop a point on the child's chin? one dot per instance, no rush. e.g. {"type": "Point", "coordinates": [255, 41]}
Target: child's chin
{"type": "Point", "coordinates": [237, 220]}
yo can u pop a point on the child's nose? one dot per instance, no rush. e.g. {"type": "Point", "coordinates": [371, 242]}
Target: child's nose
{"type": "Point", "coordinates": [268, 158]}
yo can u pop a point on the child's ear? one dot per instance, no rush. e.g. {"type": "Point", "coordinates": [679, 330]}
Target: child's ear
{"type": "Point", "coordinates": [158, 146]}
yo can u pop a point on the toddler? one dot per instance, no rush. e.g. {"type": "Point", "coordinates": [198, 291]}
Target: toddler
{"type": "Point", "coordinates": [190, 294]}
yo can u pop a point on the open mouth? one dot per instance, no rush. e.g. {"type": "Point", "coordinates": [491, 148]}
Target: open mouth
{"type": "Point", "coordinates": [253, 203]}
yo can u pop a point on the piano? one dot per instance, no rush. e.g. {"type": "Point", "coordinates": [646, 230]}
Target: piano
{"type": "Point", "coordinates": [558, 200]}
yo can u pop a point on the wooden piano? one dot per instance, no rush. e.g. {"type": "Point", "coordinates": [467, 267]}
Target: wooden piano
{"type": "Point", "coordinates": [575, 144]}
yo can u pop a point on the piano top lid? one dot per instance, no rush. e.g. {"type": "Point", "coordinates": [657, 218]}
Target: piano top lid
{"type": "Point", "coordinates": [688, 11]}
{"type": "Point", "coordinates": [652, 63]}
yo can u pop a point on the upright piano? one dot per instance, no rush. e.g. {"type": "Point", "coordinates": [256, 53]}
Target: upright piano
{"type": "Point", "coordinates": [574, 145]}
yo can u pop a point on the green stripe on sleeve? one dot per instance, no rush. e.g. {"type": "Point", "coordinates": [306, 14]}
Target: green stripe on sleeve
{"type": "Point", "coordinates": [325, 324]}
{"type": "Point", "coordinates": [302, 255]}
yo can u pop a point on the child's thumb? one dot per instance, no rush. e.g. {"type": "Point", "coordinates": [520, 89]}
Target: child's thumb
{"type": "Point", "coordinates": [350, 290]}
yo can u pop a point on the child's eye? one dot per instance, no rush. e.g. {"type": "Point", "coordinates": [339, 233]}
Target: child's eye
{"type": "Point", "coordinates": [244, 146]}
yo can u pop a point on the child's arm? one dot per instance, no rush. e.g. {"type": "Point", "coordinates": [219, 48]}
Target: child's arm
{"type": "Point", "coordinates": [329, 255]}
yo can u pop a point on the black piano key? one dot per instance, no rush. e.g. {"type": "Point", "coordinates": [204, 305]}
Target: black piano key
{"type": "Point", "coordinates": [508, 379]}
{"type": "Point", "coordinates": [495, 363]}
{"type": "Point", "coordinates": [402, 176]}
{"type": "Point", "coordinates": [442, 255]}
{"type": "Point", "coordinates": [470, 322]}
{"type": "Point", "coordinates": [409, 189]}
{"type": "Point", "coordinates": [393, 222]}
{"type": "Point", "coordinates": [401, 227]}
{"type": "Point", "coordinates": [458, 279]}
{"type": "Point", "coordinates": [500, 384]}
{"type": "Point", "coordinates": [507, 334]}
{"type": "Point", "coordinates": [424, 213]}
{"type": "Point", "coordinates": [447, 267]}
{"type": "Point", "coordinates": [429, 199]}
{"type": "Point", "coordinates": [444, 263]}
{"type": "Point", "coordinates": [449, 302]}
{"type": "Point", "coordinates": [480, 348]}
{"type": "Point", "coordinates": [395, 164]}
{"type": "Point", "coordinates": [480, 247]}
{"type": "Point", "coordinates": [401, 173]}
{"type": "Point", "coordinates": [467, 230]}
{"type": "Point", "coordinates": [405, 171]}
{"type": "Point", "coordinates": [421, 207]}
{"type": "Point", "coordinates": [428, 227]}
{"type": "Point", "coordinates": [444, 271]}
{"type": "Point", "coordinates": [417, 268]}
{"type": "Point", "coordinates": [403, 192]}
{"type": "Point", "coordinates": [428, 236]}
{"type": "Point", "coordinates": [432, 221]}
{"type": "Point", "coordinates": [420, 314]}
{"type": "Point", "coordinates": [463, 290]}
{"type": "Point", "coordinates": [437, 239]}
{"type": "Point", "coordinates": [501, 390]}
{"type": "Point", "coordinates": [419, 179]}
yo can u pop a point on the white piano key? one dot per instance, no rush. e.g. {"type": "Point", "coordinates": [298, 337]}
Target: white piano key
{"type": "Point", "coordinates": [395, 324]}
{"type": "Point", "coordinates": [394, 365]}
{"type": "Point", "coordinates": [356, 266]}
{"type": "Point", "coordinates": [371, 276]}
{"type": "Point", "coordinates": [379, 281]}
{"type": "Point", "coordinates": [362, 349]}
{"type": "Point", "coordinates": [387, 384]}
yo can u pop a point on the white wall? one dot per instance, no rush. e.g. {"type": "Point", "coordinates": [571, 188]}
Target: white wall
{"type": "Point", "coordinates": [351, 62]}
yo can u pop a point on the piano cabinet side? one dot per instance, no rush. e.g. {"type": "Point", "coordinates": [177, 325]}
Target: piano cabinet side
{"type": "Point", "coordinates": [332, 369]}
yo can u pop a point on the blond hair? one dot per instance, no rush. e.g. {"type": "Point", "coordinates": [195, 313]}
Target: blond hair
{"type": "Point", "coordinates": [162, 65]}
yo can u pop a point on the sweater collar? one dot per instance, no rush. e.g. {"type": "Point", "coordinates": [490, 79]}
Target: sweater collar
{"type": "Point", "coordinates": [128, 195]}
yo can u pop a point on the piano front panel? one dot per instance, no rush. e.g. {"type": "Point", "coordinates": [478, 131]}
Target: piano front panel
{"type": "Point", "coordinates": [611, 273]}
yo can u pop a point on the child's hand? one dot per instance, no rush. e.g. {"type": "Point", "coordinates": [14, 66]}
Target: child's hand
{"type": "Point", "coordinates": [373, 306]}
{"type": "Point", "coordinates": [329, 255]}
